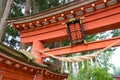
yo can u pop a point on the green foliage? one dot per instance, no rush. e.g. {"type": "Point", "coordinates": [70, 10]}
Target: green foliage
{"type": "Point", "coordinates": [87, 72]}
{"type": "Point", "coordinates": [91, 37]}
{"type": "Point", "coordinates": [16, 11]}
{"type": "Point", "coordinates": [115, 32]}
{"type": "Point", "coordinates": [47, 4]}
{"type": "Point", "coordinates": [20, 1]}
{"type": "Point", "coordinates": [17, 7]}
{"type": "Point", "coordinates": [11, 37]}
{"type": "Point", "coordinates": [91, 72]}
{"type": "Point", "coordinates": [65, 43]}
{"type": "Point", "coordinates": [11, 31]}
{"type": "Point", "coordinates": [104, 58]}
{"type": "Point", "coordinates": [98, 73]}
{"type": "Point", "coordinates": [71, 77]}
{"type": "Point", "coordinates": [83, 73]}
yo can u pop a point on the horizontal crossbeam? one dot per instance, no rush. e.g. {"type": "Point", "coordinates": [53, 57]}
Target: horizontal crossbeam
{"type": "Point", "coordinates": [95, 45]}
{"type": "Point", "coordinates": [95, 22]}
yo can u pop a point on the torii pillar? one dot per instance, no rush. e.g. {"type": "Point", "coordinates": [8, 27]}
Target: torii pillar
{"type": "Point", "coordinates": [37, 45]}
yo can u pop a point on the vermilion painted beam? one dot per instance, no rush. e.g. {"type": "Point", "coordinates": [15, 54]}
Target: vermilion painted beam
{"type": "Point", "coordinates": [95, 45]}
{"type": "Point", "coordinates": [95, 22]}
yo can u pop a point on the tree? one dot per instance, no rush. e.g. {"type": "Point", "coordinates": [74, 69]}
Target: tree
{"type": "Point", "coordinates": [88, 70]}
{"type": "Point", "coordinates": [35, 6]}
{"type": "Point", "coordinates": [2, 7]}
{"type": "Point", "coordinates": [4, 17]}
{"type": "Point", "coordinates": [11, 36]}
{"type": "Point", "coordinates": [98, 73]}
{"type": "Point", "coordinates": [27, 7]}
{"type": "Point", "coordinates": [17, 10]}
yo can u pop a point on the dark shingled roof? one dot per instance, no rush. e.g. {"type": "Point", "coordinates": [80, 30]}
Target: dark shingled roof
{"type": "Point", "coordinates": [26, 58]}
{"type": "Point", "coordinates": [20, 56]}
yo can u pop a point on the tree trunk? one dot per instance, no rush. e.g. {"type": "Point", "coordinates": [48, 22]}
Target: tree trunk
{"type": "Point", "coordinates": [2, 7]}
{"type": "Point", "coordinates": [27, 7]}
{"type": "Point", "coordinates": [4, 17]}
{"type": "Point", "coordinates": [35, 6]}
{"type": "Point", "coordinates": [27, 12]}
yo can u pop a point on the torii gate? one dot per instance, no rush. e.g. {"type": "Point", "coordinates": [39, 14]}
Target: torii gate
{"type": "Point", "coordinates": [46, 27]}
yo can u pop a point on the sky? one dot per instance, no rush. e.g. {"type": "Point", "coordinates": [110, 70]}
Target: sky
{"type": "Point", "coordinates": [116, 57]}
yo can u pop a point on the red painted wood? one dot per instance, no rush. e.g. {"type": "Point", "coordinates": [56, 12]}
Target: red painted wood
{"type": "Point", "coordinates": [99, 21]}
{"type": "Point", "coordinates": [38, 77]}
{"type": "Point", "coordinates": [37, 45]}
{"type": "Point", "coordinates": [95, 45]}
{"type": "Point", "coordinates": [117, 77]}
{"type": "Point", "coordinates": [95, 22]}
{"type": "Point", "coordinates": [9, 73]}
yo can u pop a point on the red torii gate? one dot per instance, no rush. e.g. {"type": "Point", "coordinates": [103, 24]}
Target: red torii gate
{"type": "Point", "coordinates": [46, 27]}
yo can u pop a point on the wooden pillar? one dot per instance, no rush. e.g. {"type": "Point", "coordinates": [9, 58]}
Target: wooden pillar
{"type": "Point", "coordinates": [37, 45]}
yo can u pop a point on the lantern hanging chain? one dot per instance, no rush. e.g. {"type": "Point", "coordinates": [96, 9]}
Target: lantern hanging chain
{"type": "Point", "coordinates": [79, 58]}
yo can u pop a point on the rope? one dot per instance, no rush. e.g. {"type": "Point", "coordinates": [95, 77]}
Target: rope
{"type": "Point", "coordinates": [79, 58]}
